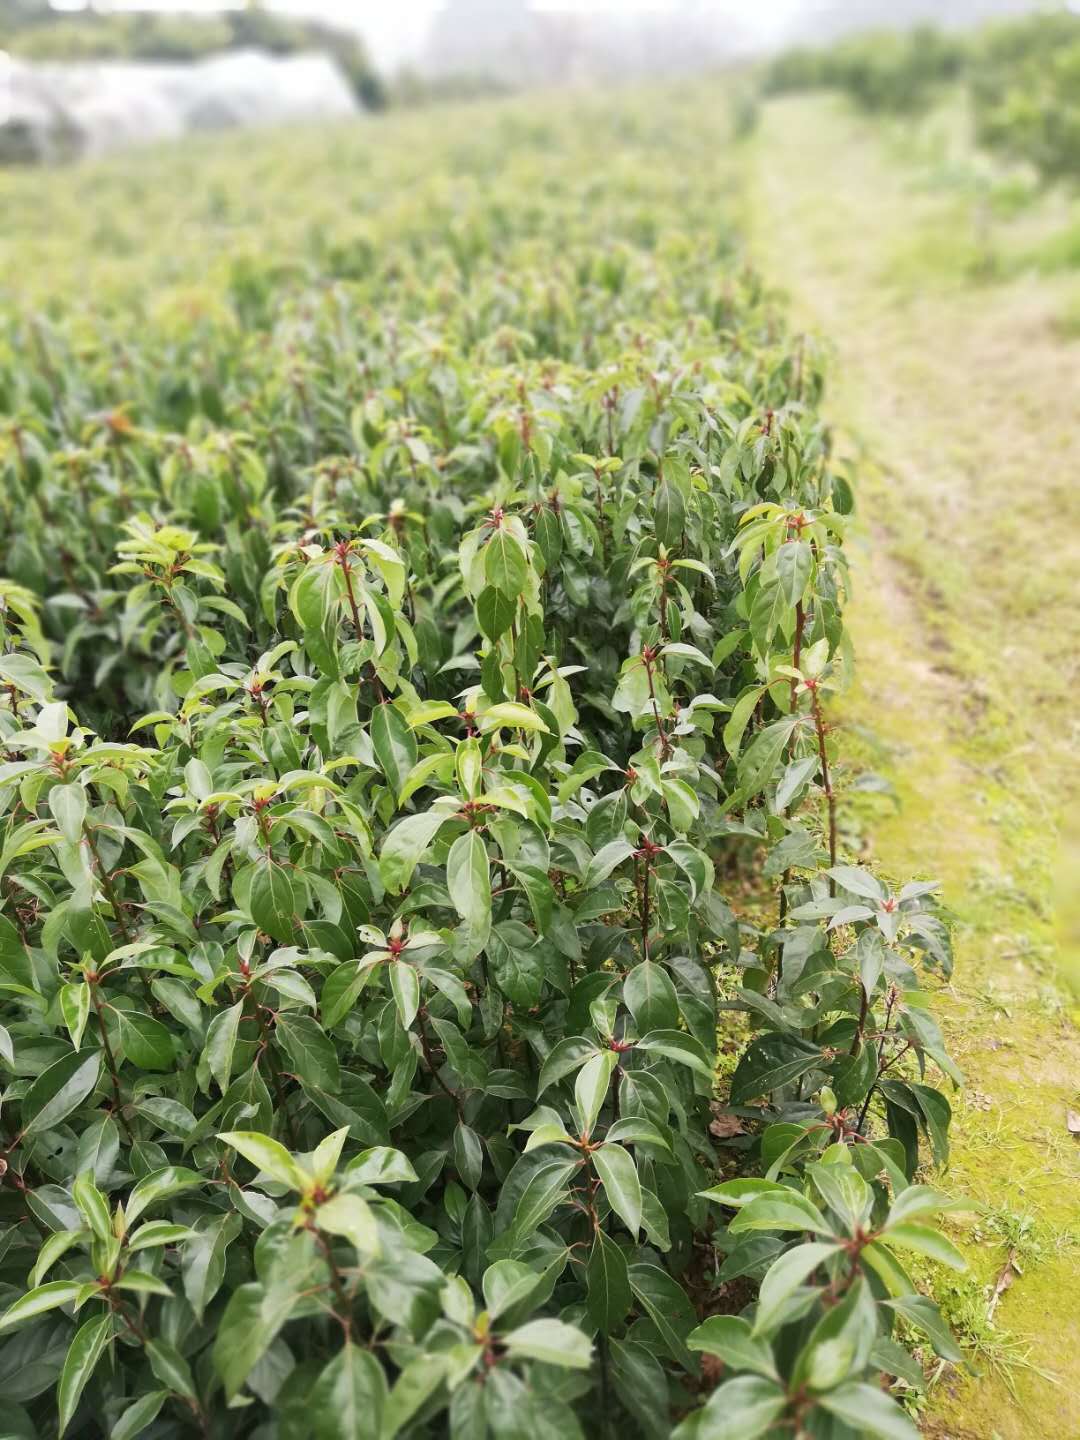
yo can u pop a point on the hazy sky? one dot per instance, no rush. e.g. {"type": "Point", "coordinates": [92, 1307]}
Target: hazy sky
{"type": "Point", "coordinates": [395, 29]}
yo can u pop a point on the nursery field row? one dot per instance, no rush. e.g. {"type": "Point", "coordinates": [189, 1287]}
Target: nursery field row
{"type": "Point", "coordinates": [434, 996]}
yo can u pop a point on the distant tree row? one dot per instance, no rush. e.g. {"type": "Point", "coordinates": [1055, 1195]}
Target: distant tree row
{"type": "Point", "coordinates": [1025, 85]}
{"type": "Point", "coordinates": [897, 72]}
{"type": "Point", "coordinates": [1024, 79]}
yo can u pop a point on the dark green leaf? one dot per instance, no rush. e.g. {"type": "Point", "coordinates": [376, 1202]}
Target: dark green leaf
{"type": "Point", "coordinates": [271, 898]}
{"type": "Point", "coordinates": [59, 1090]}
{"type": "Point", "coordinates": [608, 1282]}
{"type": "Point", "coordinates": [394, 744]}
{"type": "Point", "coordinates": [312, 1056]}
{"type": "Point", "coordinates": [495, 611]}
{"type": "Point", "coordinates": [348, 1398]}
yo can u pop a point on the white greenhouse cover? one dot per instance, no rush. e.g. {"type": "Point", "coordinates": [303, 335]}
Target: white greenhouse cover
{"type": "Point", "coordinates": [50, 112]}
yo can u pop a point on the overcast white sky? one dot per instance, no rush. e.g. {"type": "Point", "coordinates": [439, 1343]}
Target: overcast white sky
{"type": "Point", "coordinates": [395, 29]}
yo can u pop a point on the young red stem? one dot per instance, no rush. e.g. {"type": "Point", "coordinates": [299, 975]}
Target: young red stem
{"type": "Point", "coordinates": [796, 655]}
{"type": "Point", "coordinates": [358, 624]}
{"type": "Point", "coordinates": [665, 744]}
{"type": "Point", "coordinates": [644, 893]}
{"type": "Point", "coordinates": [107, 885]}
{"type": "Point", "coordinates": [880, 1068]}
{"type": "Point", "coordinates": [826, 780]}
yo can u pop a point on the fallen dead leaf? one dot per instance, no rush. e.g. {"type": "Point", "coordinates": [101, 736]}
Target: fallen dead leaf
{"type": "Point", "coordinates": [1009, 1271]}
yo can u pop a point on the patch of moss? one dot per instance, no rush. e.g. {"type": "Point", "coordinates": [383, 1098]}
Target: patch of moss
{"type": "Point", "coordinates": [951, 407]}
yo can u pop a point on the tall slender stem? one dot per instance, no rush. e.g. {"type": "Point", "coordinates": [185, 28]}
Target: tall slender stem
{"type": "Point", "coordinates": [342, 551]}
{"type": "Point", "coordinates": [881, 1053]}
{"type": "Point", "coordinates": [796, 654]}
{"type": "Point", "coordinates": [826, 780]}
{"type": "Point", "coordinates": [358, 624]}
{"type": "Point", "coordinates": [665, 743]}
{"type": "Point", "coordinates": [343, 1307]}
{"type": "Point", "coordinates": [645, 918]}
{"type": "Point", "coordinates": [425, 1046]}
{"type": "Point", "coordinates": [107, 885]}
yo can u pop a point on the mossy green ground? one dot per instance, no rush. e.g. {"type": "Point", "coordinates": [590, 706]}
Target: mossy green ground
{"type": "Point", "coordinates": [959, 395]}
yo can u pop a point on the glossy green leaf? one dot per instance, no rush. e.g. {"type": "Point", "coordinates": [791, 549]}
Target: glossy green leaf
{"type": "Point", "coordinates": [138, 1415]}
{"type": "Point", "coordinates": [59, 1090]}
{"type": "Point", "coordinates": [170, 1367]}
{"type": "Point", "coordinates": [468, 879]}
{"type": "Point", "coordinates": [651, 997]}
{"type": "Point", "coordinates": [36, 1301]}
{"type": "Point", "coordinates": [550, 1341]}
{"type": "Point", "coordinates": [591, 1088]}
{"type": "Point", "coordinates": [68, 806]}
{"type": "Point", "coordinates": [394, 744]}
{"type": "Point", "coordinates": [159, 1185]}
{"type": "Point", "coordinates": [622, 1187]}
{"type": "Point", "coordinates": [495, 611]}
{"type": "Point", "coordinates": [404, 846]}
{"type": "Point", "coordinates": [870, 1412]}
{"type": "Point", "coordinates": [740, 1409]}
{"type": "Point", "coordinates": [405, 986]}
{"type": "Point", "coordinates": [784, 1276]}
{"type": "Point", "coordinates": [731, 1339]}
{"type": "Point", "coordinates": [348, 1399]}
{"type": "Point", "coordinates": [608, 1284]}
{"type": "Point", "coordinates": [272, 901]}
{"type": "Point", "coordinates": [505, 566]}
{"type": "Point", "coordinates": [267, 1155]}
{"type": "Point", "coordinates": [83, 1354]}
{"type": "Point", "coordinates": [310, 1052]}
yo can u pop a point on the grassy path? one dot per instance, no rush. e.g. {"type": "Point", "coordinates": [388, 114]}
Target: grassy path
{"type": "Point", "coordinates": [962, 401]}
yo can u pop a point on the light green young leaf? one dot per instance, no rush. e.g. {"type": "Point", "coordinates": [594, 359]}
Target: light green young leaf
{"type": "Point", "coordinates": [591, 1087]}
{"type": "Point", "coordinates": [37, 1301]}
{"type": "Point", "coordinates": [405, 986]}
{"type": "Point", "coordinates": [351, 1217]}
{"type": "Point", "coordinates": [784, 1277]}
{"type": "Point", "coordinates": [927, 1241]}
{"type": "Point", "coordinates": [550, 1341]}
{"type": "Point", "coordinates": [269, 1156]}
{"type": "Point", "coordinates": [68, 806]}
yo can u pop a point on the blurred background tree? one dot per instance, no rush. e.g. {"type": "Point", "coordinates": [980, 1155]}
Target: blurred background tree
{"type": "Point", "coordinates": [32, 30]}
